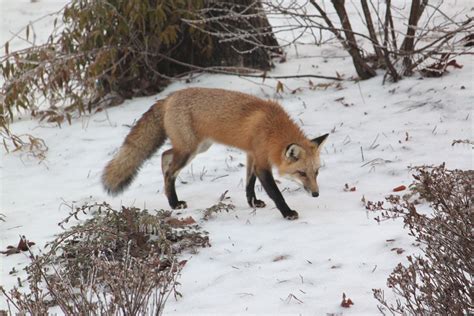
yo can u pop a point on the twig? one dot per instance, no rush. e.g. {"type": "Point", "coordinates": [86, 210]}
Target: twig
{"type": "Point", "coordinates": [219, 70]}
{"type": "Point", "coordinates": [372, 145]}
{"type": "Point", "coordinates": [219, 177]}
{"type": "Point", "coordinates": [370, 28]}
{"type": "Point", "coordinates": [388, 62]}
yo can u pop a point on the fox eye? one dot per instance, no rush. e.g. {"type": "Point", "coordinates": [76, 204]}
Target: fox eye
{"type": "Point", "coordinates": [301, 174]}
{"type": "Point", "coordinates": [317, 172]}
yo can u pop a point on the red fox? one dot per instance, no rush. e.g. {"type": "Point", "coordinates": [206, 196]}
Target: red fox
{"type": "Point", "coordinates": [194, 118]}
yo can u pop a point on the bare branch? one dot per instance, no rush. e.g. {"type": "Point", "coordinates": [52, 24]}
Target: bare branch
{"type": "Point", "coordinates": [388, 62]}
{"type": "Point", "coordinates": [370, 28]}
{"type": "Point", "coordinates": [408, 43]}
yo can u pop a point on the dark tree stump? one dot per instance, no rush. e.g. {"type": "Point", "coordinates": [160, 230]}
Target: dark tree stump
{"type": "Point", "coordinates": [240, 36]}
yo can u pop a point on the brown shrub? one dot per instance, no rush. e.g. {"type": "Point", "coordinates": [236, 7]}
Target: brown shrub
{"type": "Point", "coordinates": [115, 263]}
{"type": "Point", "coordinates": [439, 282]}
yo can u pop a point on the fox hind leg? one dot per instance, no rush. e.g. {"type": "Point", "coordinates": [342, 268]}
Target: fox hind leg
{"type": "Point", "coordinates": [250, 186]}
{"type": "Point", "coordinates": [166, 159]}
{"type": "Point", "coordinates": [171, 163]}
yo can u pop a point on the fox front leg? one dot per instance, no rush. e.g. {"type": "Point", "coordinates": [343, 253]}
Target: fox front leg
{"type": "Point", "coordinates": [268, 182]}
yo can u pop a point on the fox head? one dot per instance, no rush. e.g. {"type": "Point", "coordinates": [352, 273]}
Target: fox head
{"type": "Point", "coordinates": [301, 163]}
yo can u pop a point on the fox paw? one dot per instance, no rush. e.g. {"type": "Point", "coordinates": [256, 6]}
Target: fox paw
{"type": "Point", "coordinates": [257, 203]}
{"type": "Point", "coordinates": [291, 215]}
{"type": "Point", "coordinates": [179, 205]}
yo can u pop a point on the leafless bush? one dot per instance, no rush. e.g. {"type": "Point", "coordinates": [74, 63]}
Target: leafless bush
{"type": "Point", "coordinates": [430, 33]}
{"type": "Point", "coordinates": [439, 282]}
{"type": "Point", "coordinates": [115, 263]}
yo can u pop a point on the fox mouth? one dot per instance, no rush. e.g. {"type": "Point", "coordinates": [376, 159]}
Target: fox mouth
{"type": "Point", "coordinates": [301, 185]}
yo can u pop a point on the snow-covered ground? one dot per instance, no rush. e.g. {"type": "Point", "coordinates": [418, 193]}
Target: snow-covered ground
{"type": "Point", "coordinates": [334, 247]}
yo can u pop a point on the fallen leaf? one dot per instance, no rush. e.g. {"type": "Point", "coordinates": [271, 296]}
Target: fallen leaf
{"type": "Point", "coordinates": [454, 64]}
{"type": "Point", "coordinates": [347, 188]}
{"type": "Point", "coordinates": [279, 87]}
{"type": "Point", "coordinates": [280, 258]}
{"type": "Point", "coordinates": [399, 188]}
{"type": "Point", "coordinates": [176, 222]}
{"type": "Point", "coordinates": [24, 244]}
{"type": "Point", "coordinates": [296, 90]}
{"type": "Point", "coordinates": [346, 302]}
{"type": "Point", "coordinates": [398, 250]}
{"type": "Point", "coordinates": [439, 68]}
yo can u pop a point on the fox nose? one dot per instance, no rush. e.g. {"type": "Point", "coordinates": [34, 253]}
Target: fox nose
{"type": "Point", "coordinates": [315, 194]}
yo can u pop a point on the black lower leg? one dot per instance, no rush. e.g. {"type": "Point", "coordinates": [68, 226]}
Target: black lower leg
{"type": "Point", "coordinates": [268, 182]}
{"type": "Point", "coordinates": [171, 193]}
{"type": "Point", "coordinates": [250, 192]}
{"type": "Point", "coordinates": [170, 179]}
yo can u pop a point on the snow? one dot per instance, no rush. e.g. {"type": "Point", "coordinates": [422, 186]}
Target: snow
{"type": "Point", "coordinates": [334, 247]}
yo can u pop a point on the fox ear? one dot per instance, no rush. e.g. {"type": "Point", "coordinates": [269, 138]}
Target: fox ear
{"type": "Point", "coordinates": [320, 140]}
{"type": "Point", "coordinates": [293, 152]}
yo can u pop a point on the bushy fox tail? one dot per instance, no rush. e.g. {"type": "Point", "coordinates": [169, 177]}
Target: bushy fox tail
{"type": "Point", "coordinates": [144, 139]}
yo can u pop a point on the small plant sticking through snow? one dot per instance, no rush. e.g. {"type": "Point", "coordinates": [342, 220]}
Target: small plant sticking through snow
{"type": "Point", "coordinates": [219, 207]}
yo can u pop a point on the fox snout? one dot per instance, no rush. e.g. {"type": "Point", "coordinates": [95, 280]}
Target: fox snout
{"type": "Point", "coordinates": [313, 193]}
